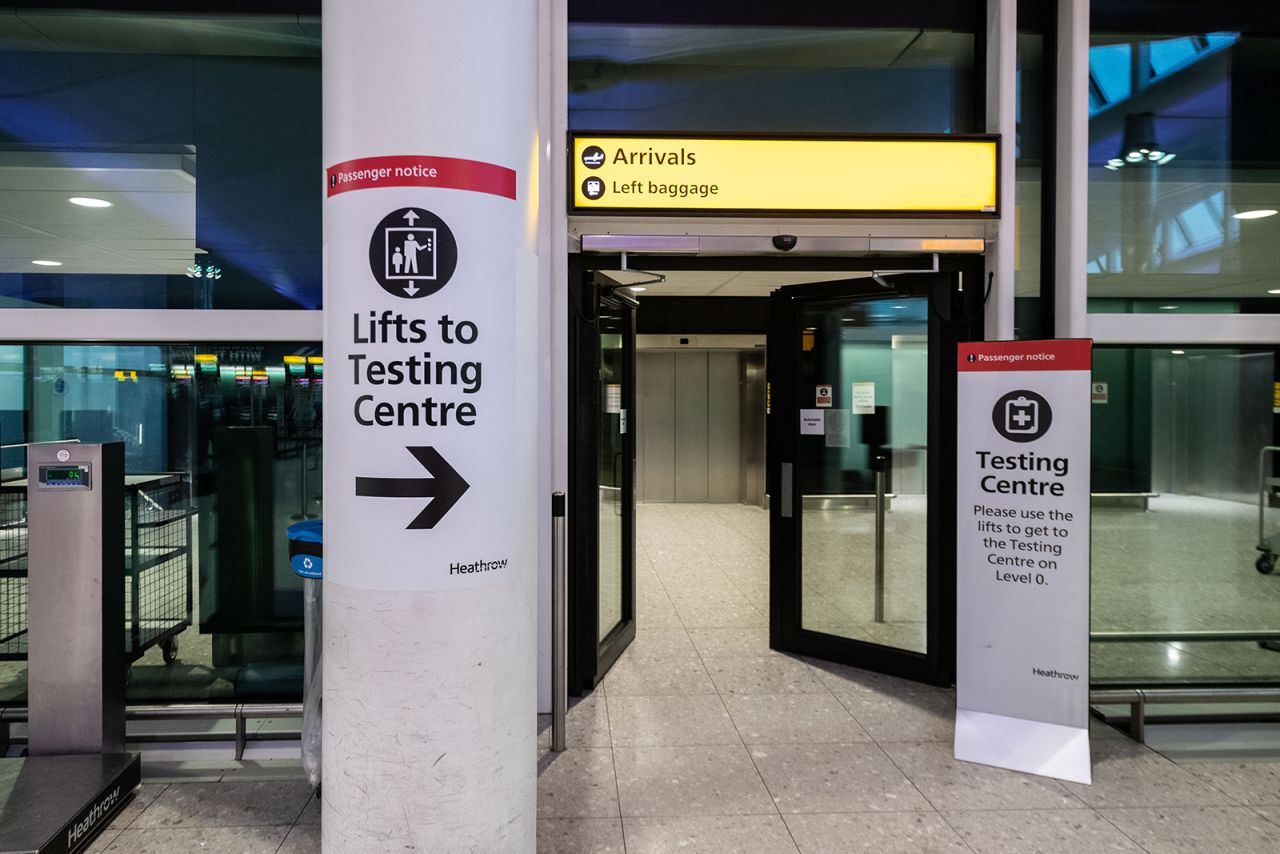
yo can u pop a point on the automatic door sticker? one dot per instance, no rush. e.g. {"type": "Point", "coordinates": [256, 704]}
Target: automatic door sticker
{"type": "Point", "coordinates": [1022, 416]}
{"type": "Point", "coordinates": [412, 253]}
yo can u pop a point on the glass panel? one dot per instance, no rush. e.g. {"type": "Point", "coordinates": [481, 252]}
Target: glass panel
{"type": "Point", "coordinates": [610, 473]}
{"type": "Point", "coordinates": [198, 136]}
{"type": "Point", "coordinates": [1183, 180]}
{"type": "Point", "coordinates": [872, 356]}
{"type": "Point", "coordinates": [1177, 434]}
{"type": "Point", "coordinates": [222, 453]}
{"type": "Point", "coordinates": [786, 80]}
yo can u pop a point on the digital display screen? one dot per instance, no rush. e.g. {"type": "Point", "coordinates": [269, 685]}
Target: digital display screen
{"type": "Point", "coordinates": [65, 476]}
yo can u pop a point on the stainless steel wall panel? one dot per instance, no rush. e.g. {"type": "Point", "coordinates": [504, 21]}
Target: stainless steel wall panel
{"type": "Point", "coordinates": [656, 442]}
{"type": "Point", "coordinates": [751, 431]}
{"type": "Point", "coordinates": [724, 417]}
{"type": "Point", "coordinates": [691, 426]}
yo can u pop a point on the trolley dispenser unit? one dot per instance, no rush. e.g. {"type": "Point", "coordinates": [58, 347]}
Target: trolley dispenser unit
{"type": "Point", "coordinates": [77, 774]}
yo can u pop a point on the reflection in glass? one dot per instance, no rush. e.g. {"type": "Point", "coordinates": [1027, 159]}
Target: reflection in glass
{"type": "Point", "coordinates": [1176, 443]}
{"type": "Point", "coordinates": [1180, 146]}
{"type": "Point", "coordinates": [874, 356]}
{"type": "Point", "coordinates": [238, 429]}
{"type": "Point", "coordinates": [610, 472]}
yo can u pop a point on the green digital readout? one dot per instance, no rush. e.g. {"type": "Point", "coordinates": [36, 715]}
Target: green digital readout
{"type": "Point", "coordinates": [62, 474]}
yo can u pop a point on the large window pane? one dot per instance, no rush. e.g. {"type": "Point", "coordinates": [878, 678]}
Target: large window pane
{"type": "Point", "coordinates": [790, 80]}
{"type": "Point", "coordinates": [1177, 434]}
{"type": "Point", "coordinates": [1184, 178]}
{"type": "Point", "coordinates": [203, 134]}
{"type": "Point", "coordinates": [224, 441]}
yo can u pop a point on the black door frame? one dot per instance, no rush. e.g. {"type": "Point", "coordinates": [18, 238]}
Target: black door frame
{"type": "Point", "coordinates": [956, 295]}
{"type": "Point", "coordinates": [589, 657]}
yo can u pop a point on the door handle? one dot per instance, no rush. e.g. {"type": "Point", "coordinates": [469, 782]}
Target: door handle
{"type": "Point", "coordinates": [784, 488]}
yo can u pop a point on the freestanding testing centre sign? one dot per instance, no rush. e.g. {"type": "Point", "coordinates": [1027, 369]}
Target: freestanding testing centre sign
{"type": "Point", "coordinates": [1022, 556]}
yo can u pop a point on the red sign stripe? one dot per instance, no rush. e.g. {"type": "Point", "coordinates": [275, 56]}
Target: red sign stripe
{"type": "Point", "coordinates": [1063, 354]}
{"type": "Point", "coordinates": [407, 170]}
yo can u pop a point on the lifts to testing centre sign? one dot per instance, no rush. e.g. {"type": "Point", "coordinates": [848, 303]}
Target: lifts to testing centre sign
{"type": "Point", "coordinates": [426, 386]}
{"type": "Point", "coordinates": [1022, 556]}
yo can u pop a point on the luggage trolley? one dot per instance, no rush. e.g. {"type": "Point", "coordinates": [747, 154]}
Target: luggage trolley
{"type": "Point", "coordinates": [158, 564]}
{"type": "Point", "coordinates": [1267, 483]}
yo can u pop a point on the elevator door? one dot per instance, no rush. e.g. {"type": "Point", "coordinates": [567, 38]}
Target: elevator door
{"type": "Point", "coordinates": [860, 439]}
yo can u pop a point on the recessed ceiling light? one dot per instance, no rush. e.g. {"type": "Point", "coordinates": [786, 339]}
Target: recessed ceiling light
{"type": "Point", "coordinates": [1258, 214]}
{"type": "Point", "coordinates": [44, 263]}
{"type": "Point", "coordinates": [636, 290]}
{"type": "Point", "coordinates": [899, 306]}
{"type": "Point", "coordinates": [89, 202]}
{"type": "Point", "coordinates": [1167, 307]}
{"type": "Point", "coordinates": [1178, 352]}
{"type": "Point", "coordinates": [1274, 291]}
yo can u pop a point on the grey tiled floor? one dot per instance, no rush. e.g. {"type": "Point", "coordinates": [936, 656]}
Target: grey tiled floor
{"type": "Point", "coordinates": [703, 741]}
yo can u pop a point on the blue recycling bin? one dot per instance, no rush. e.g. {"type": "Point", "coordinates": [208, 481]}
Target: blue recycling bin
{"type": "Point", "coordinates": [306, 556]}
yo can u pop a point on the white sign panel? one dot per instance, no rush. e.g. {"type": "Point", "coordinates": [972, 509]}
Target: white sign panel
{"type": "Point", "coordinates": [864, 398]}
{"type": "Point", "coordinates": [812, 422]}
{"type": "Point", "coordinates": [1022, 556]}
{"type": "Point", "coordinates": [425, 379]}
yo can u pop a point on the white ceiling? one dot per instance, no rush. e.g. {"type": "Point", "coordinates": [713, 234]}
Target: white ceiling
{"type": "Point", "coordinates": [150, 227]}
{"type": "Point", "coordinates": [721, 283]}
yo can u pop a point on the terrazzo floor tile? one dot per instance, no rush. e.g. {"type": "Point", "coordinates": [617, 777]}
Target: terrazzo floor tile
{"type": "Point", "coordinates": [831, 778]}
{"type": "Point", "coordinates": [658, 642]}
{"type": "Point", "coordinates": [731, 643]}
{"type": "Point", "coordinates": [302, 839]}
{"type": "Point", "coordinates": [904, 715]}
{"type": "Point", "coordinates": [875, 833]}
{"type": "Point", "coordinates": [276, 802]}
{"type": "Point", "coordinates": [793, 719]}
{"type": "Point", "coordinates": [640, 677]}
{"type": "Point", "coordinates": [670, 721]}
{"type": "Point", "coordinates": [951, 784]}
{"type": "Point", "coordinates": [1128, 774]}
{"type": "Point", "coordinates": [1248, 782]}
{"type": "Point", "coordinates": [578, 783]}
{"type": "Point", "coordinates": [739, 834]}
{"type": "Point", "coordinates": [1040, 832]}
{"type": "Point", "coordinates": [260, 839]}
{"type": "Point", "coordinates": [1197, 830]}
{"type": "Point", "coordinates": [687, 781]}
{"type": "Point", "coordinates": [580, 836]}
{"type": "Point", "coordinates": [775, 674]}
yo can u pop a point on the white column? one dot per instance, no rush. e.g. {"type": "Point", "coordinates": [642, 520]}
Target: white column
{"type": "Point", "coordinates": [1002, 105]}
{"type": "Point", "coordinates": [430, 590]}
{"type": "Point", "coordinates": [1071, 212]}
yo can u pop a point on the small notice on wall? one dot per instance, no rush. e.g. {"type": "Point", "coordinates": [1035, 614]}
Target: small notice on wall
{"type": "Point", "coordinates": [822, 395]}
{"type": "Point", "coordinates": [812, 422]}
{"type": "Point", "coordinates": [838, 428]}
{"type": "Point", "coordinates": [613, 398]}
{"type": "Point", "coordinates": [1098, 392]}
{"type": "Point", "coordinates": [864, 398]}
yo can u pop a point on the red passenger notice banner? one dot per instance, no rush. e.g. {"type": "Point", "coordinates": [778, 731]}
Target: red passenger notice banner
{"type": "Point", "coordinates": [1062, 354]}
{"type": "Point", "coordinates": [449, 173]}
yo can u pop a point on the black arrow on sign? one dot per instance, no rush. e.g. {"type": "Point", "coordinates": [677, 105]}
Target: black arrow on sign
{"type": "Point", "coordinates": [444, 488]}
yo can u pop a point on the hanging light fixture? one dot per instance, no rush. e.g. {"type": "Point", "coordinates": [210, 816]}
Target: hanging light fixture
{"type": "Point", "coordinates": [1140, 146]}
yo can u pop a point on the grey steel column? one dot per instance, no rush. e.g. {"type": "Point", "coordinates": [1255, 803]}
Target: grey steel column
{"type": "Point", "coordinates": [1071, 213]}
{"type": "Point", "coordinates": [1002, 84]}
{"type": "Point", "coordinates": [559, 624]}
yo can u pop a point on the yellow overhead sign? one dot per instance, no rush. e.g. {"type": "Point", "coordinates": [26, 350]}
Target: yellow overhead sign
{"type": "Point", "coordinates": [919, 176]}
